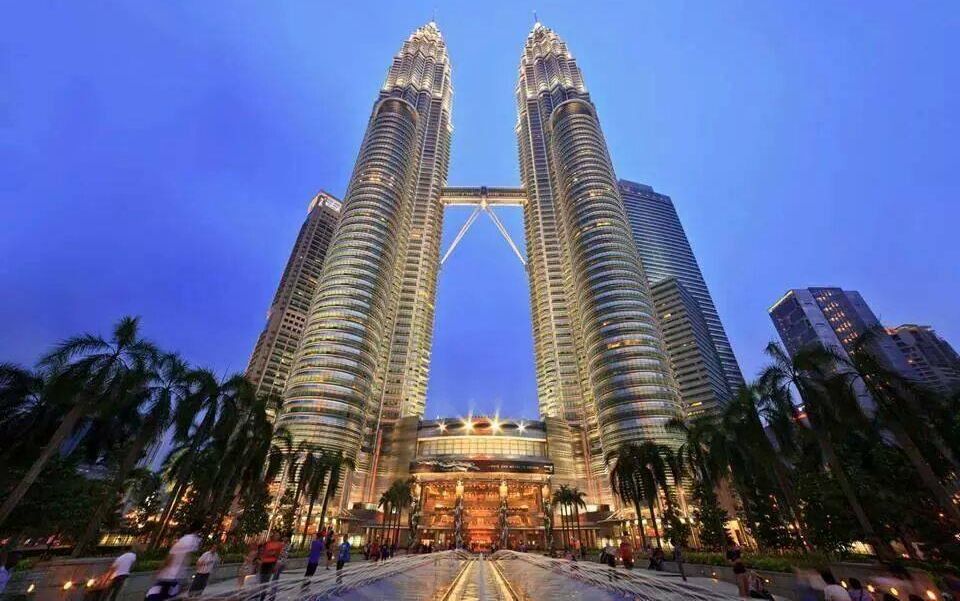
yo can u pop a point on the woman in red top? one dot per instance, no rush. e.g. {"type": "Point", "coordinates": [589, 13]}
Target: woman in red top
{"type": "Point", "coordinates": [626, 554]}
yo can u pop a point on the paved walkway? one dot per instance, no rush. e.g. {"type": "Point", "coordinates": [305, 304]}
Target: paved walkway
{"type": "Point", "coordinates": [458, 576]}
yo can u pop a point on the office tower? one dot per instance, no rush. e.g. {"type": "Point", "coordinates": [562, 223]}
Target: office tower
{"type": "Point", "coordinates": [365, 350]}
{"type": "Point", "coordinates": [697, 367]}
{"type": "Point", "coordinates": [358, 381]}
{"type": "Point", "coordinates": [600, 358]}
{"type": "Point", "coordinates": [273, 355]}
{"type": "Point", "coordinates": [835, 319]}
{"type": "Point", "coordinates": [666, 253]}
{"type": "Point", "coordinates": [934, 361]}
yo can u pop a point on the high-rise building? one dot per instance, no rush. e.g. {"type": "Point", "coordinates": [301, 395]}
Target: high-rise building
{"type": "Point", "coordinates": [364, 357]}
{"type": "Point", "coordinates": [835, 319]}
{"type": "Point", "coordinates": [693, 355]}
{"type": "Point", "coordinates": [358, 381]}
{"type": "Point", "coordinates": [601, 363]}
{"type": "Point", "coordinates": [273, 355]}
{"type": "Point", "coordinates": [933, 360]}
{"type": "Point", "coordinates": [666, 253]}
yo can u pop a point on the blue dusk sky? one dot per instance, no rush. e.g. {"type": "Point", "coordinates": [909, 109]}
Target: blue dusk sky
{"type": "Point", "coordinates": [156, 159]}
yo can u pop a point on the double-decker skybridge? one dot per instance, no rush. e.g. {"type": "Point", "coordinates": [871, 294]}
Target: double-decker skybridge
{"type": "Point", "coordinates": [460, 576]}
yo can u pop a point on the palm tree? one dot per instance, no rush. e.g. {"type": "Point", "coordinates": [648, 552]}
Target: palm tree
{"type": "Point", "coordinates": [337, 463]}
{"type": "Point", "coordinates": [576, 499]}
{"type": "Point", "coordinates": [899, 413]}
{"type": "Point", "coordinates": [401, 495]}
{"type": "Point", "coordinates": [24, 407]}
{"type": "Point", "coordinates": [806, 372]}
{"type": "Point", "coordinates": [560, 499]}
{"type": "Point", "coordinates": [318, 477]}
{"type": "Point", "coordinates": [164, 384]}
{"type": "Point", "coordinates": [625, 482]}
{"type": "Point", "coordinates": [387, 502]}
{"type": "Point", "coordinates": [206, 413]}
{"type": "Point", "coordinates": [99, 366]}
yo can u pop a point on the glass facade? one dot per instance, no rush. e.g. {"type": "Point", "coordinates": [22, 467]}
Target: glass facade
{"type": "Point", "coordinates": [273, 355]}
{"type": "Point", "coordinates": [666, 253]}
{"type": "Point", "coordinates": [482, 445]}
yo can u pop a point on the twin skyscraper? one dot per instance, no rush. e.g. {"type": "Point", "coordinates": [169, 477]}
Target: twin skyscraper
{"type": "Point", "coordinates": [605, 373]}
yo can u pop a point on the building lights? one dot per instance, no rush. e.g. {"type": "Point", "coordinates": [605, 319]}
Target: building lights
{"type": "Point", "coordinates": [68, 585]}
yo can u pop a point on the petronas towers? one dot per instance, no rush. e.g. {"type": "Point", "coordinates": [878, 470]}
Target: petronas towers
{"type": "Point", "coordinates": [603, 374]}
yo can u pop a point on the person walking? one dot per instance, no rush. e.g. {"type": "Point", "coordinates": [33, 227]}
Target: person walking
{"type": "Point", "coordinates": [833, 591]}
{"type": "Point", "coordinates": [375, 551]}
{"type": "Point", "coordinates": [626, 554]}
{"type": "Point", "coordinates": [167, 583]}
{"type": "Point", "coordinates": [316, 552]}
{"type": "Point", "coordinates": [742, 578]}
{"type": "Point", "coordinates": [857, 592]}
{"type": "Point", "coordinates": [343, 556]}
{"type": "Point", "coordinates": [205, 566]}
{"type": "Point", "coordinates": [269, 556]}
{"type": "Point", "coordinates": [117, 574]}
{"type": "Point", "coordinates": [249, 566]}
{"type": "Point", "coordinates": [329, 541]}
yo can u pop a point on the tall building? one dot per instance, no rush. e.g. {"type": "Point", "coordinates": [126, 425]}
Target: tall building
{"type": "Point", "coordinates": [934, 361]}
{"type": "Point", "coordinates": [835, 319]}
{"type": "Point", "coordinates": [601, 363]}
{"type": "Point", "coordinates": [364, 357]}
{"type": "Point", "coordinates": [273, 355]}
{"type": "Point", "coordinates": [666, 253]}
{"type": "Point", "coordinates": [358, 381]}
{"type": "Point", "coordinates": [693, 355]}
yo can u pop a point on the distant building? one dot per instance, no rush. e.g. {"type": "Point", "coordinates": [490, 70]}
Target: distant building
{"type": "Point", "coordinates": [666, 254]}
{"type": "Point", "coordinates": [696, 365]}
{"type": "Point", "coordinates": [835, 319]}
{"type": "Point", "coordinates": [932, 358]}
{"type": "Point", "coordinates": [273, 355]}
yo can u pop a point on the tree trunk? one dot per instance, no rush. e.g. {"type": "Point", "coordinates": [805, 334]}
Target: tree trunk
{"type": "Point", "coordinates": [116, 489]}
{"type": "Point", "coordinates": [790, 501]}
{"type": "Point", "coordinates": [576, 517]}
{"type": "Point", "coordinates": [66, 426]}
{"type": "Point", "coordinates": [925, 472]}
{"type": "Point", "coordinates": [653, 518]}
{"type": "Point", "coordinates": [640, 528]}
{"type": "Point", "coordinates": [884, 551]}
{"type": "Point", "coordinates": [306, 525]}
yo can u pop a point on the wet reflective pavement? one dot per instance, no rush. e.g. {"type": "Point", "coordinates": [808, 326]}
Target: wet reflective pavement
{"type": "Point", "coordinates": [459, 576]}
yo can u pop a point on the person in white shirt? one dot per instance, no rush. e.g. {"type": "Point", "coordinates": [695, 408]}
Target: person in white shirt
{"type": "Point", "coordinates": [205, 566]}
{"type": "Point", "coordinates": [167, 583]}
{"type": "Point", "coordinates": [118, 574]}
{"type": "Point", "coordinates": [833, 591]}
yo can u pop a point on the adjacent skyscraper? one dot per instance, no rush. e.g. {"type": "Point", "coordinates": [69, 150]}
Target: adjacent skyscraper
{"type": "Point", "coordinates": [835, 319]}
{"type": "Point", "coordinates": [934, 361]}
{"type": "Point", "coordinates": [666, 253]}
{"type": "Point", "coordinates": [693, 355]}
{"type": "Point", "coordinates": [273, 356]}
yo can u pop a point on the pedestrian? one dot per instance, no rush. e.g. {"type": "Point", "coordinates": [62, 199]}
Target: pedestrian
{"type": "Point", "coordinates": [205, 566]}
{"type": "Point", "coordinates": [118, 573]}
{"type": "Point", "coordinates": [167, 583]}
{"type": "Point", "coordinates": [626, 554]}
{"type": "Point", "coordinates": [857, 592]}
{"type": "Point", "coordinates": [329, 542]}
{"type": "Point", "coordinates": [249, 566]}
{"type": "Point", "coordinates": [343, 556]}
{"type": "Point", "coordinates": [284, 555]}
{"type": "Point", "coordinates": [742, 578]}
{"type": "Point", "coordinates": [269, 556]}
{"type": "Point", "coordinates": [758, 587]}
{"type": "Point", "coordinates": [316, 552]}
{"type": "Point", "coordinates": [385, 551]}
{"type": "Point", "coordinates": [4, 572]}
{"type": "Point", "coordinates": [833, 591]}
{"type": "Point", "coordinates": [610, 555]}
{"type": "Point", "coordinates": [375, 551]}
